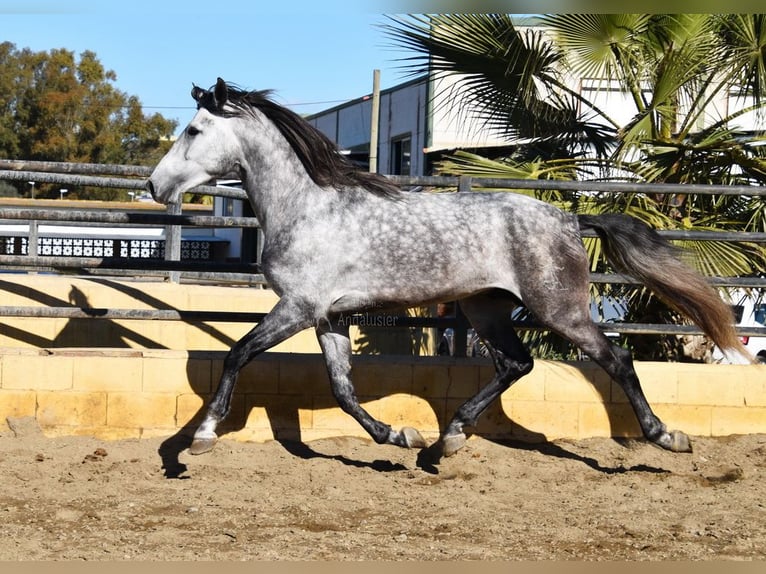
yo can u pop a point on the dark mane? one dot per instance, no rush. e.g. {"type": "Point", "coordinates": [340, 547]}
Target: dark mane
{"type": "Point", "coordinates": [318, 154]}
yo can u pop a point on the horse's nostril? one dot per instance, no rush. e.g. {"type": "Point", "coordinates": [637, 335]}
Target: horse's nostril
{"type": "Point", "coordinates": [150, 186]}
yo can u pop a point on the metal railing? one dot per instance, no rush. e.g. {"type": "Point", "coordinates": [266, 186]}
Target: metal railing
{"type": "Point", "coordinates": [173, 268]}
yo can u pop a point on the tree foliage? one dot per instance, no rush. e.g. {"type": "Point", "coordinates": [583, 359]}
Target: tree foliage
{"type": "Point", "coordinates": [56, 106]}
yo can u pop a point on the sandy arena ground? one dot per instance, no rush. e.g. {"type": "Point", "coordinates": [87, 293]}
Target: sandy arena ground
{"type": "Point", "coordinates": [78, 498]}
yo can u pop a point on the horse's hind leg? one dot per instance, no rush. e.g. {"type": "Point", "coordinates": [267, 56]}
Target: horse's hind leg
{"type": "Point", "coordinates": [618, 363]}
{"type": "Point", "coordinates": [490, 316]}
{"type": "Point", "coordinates": [336, 348]}
{"type": "Point", "coordinates": [567, 312]}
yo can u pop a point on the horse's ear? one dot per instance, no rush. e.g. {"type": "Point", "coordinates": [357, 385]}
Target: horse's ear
{"type": "Point", "coordinates": [221, 92]}
{"type": "Point", "coordinates": [197, 92]}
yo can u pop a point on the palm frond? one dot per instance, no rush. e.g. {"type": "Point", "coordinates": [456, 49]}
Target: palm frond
{"type": "Point", "coordinates": [510, 76]}
{"type": "Point", "coordinates": [598, 45]}
{"type": "Point", "coordinates": [744, 37]}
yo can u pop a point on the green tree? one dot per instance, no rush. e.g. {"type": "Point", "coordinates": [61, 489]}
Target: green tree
{"type": "Point", "coordinates": [677, 73]}
{"type": "Point", "coordinates": [55, 106]}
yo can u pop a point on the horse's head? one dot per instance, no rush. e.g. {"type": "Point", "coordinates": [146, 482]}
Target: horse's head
{"type": "Point", "coordinates": [207, 149]}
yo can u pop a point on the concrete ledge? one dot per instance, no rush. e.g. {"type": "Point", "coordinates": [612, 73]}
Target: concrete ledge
{"type": "Point", "coordinates": [133, 393]}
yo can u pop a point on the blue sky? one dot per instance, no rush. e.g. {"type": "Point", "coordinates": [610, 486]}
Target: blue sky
{"type": "Point", "coordinates": [312, 54]}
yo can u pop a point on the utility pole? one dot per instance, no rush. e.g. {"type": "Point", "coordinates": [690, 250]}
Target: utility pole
{"type": "Point", "coordinates": [374, 119]}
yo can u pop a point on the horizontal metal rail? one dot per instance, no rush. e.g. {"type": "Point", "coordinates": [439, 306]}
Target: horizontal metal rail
{"type": "Point", "coordinates": [109, 182]}
{"type": "Point", "coordinates": [616, 187]}
{"type": "Point", "coordinates": [139, 218]}
{"type": "Point", "coordinates": [242, 271]}
{"type": "Point", "coordinates": [130, 314]}
{"type": "Point", "coordinates": [620, 279]}
{"type": "Point", "coordinates": [393, 321]}
{"type": "Point", "coordinates": [63, 168]}
{"type": "Point", "coordinates": [125, 263]}
{"type": "Point", "coordinates": [67, 167]}
{"type": "Point", "coordinates": [125, 218]}
{"type": "Point", "coordinates": [219, 278]}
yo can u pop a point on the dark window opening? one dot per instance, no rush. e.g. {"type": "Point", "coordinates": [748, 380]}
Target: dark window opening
{"type": "Point", "coordinates": [401, 156]}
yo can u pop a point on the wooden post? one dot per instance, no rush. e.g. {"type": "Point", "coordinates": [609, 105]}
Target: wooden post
{"type": "Point", "coordinates": [374, 121]}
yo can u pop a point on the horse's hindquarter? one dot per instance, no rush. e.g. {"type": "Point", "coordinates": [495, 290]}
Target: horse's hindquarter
{"type": "Point", "coordinates": [369, 251]}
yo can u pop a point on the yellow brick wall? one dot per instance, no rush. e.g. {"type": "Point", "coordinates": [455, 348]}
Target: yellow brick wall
{"type": "Point", "coordinates": [132, 393]}
{"type": "Point", "coordinates": [116, 379]}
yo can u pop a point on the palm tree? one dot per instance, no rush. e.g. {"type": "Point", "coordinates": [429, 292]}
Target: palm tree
{"type": "Point", "coordinates": [678, 73]}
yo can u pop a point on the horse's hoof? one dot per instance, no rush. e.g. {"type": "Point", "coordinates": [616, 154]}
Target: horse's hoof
{"type": "Point", "coordinates": [452, 443]}
{"type": "Point", "coordinates": [413, 438]}
{"type": "Point", "coordinates": [679, 442]}
{"type": "Point", "coordinates": [202, 445]}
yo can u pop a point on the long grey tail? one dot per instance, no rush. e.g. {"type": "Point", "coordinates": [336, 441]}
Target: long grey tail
{"type": "Point", "coordinates": [637, 250]}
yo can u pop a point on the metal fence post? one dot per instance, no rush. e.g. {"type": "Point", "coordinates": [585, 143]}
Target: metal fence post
{"type": "Point", "coordinates": [173, 242]}
{"type": "Point", "coordinates": [33, 239]}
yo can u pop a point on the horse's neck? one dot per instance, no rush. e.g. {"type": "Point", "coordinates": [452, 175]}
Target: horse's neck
{"type": "Point", "coordinates": [276, 182]}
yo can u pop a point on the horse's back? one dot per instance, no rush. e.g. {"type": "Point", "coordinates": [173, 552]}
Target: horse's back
{"type": "Point", "coordinates": [454, 244]}
{"type": "Point", "coordinates": [516, 220]}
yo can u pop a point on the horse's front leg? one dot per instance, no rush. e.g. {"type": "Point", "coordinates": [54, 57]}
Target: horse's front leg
{"type": "Point", "coordinates": [336, 347]}
{"type": "Point", "coordinates": [285, 320]}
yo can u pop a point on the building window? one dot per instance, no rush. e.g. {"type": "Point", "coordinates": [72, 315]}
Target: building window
{"type": "Point", "coordinates": [401, 155]}
{"type": "Point", "coordinates": [228, 207]}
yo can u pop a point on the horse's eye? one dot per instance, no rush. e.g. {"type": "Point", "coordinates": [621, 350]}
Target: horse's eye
{"type": "Point", "coordinates": [192, 131]}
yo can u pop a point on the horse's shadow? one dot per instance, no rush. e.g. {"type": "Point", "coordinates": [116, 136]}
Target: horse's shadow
{"type": "Point", "coordinates": [171, 448]}
{"type": "Point", "coordinates": [283, 413]}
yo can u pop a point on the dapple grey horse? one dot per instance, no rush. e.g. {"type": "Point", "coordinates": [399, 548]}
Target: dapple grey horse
{"type": "Point", "coordinates": [339, 240]}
